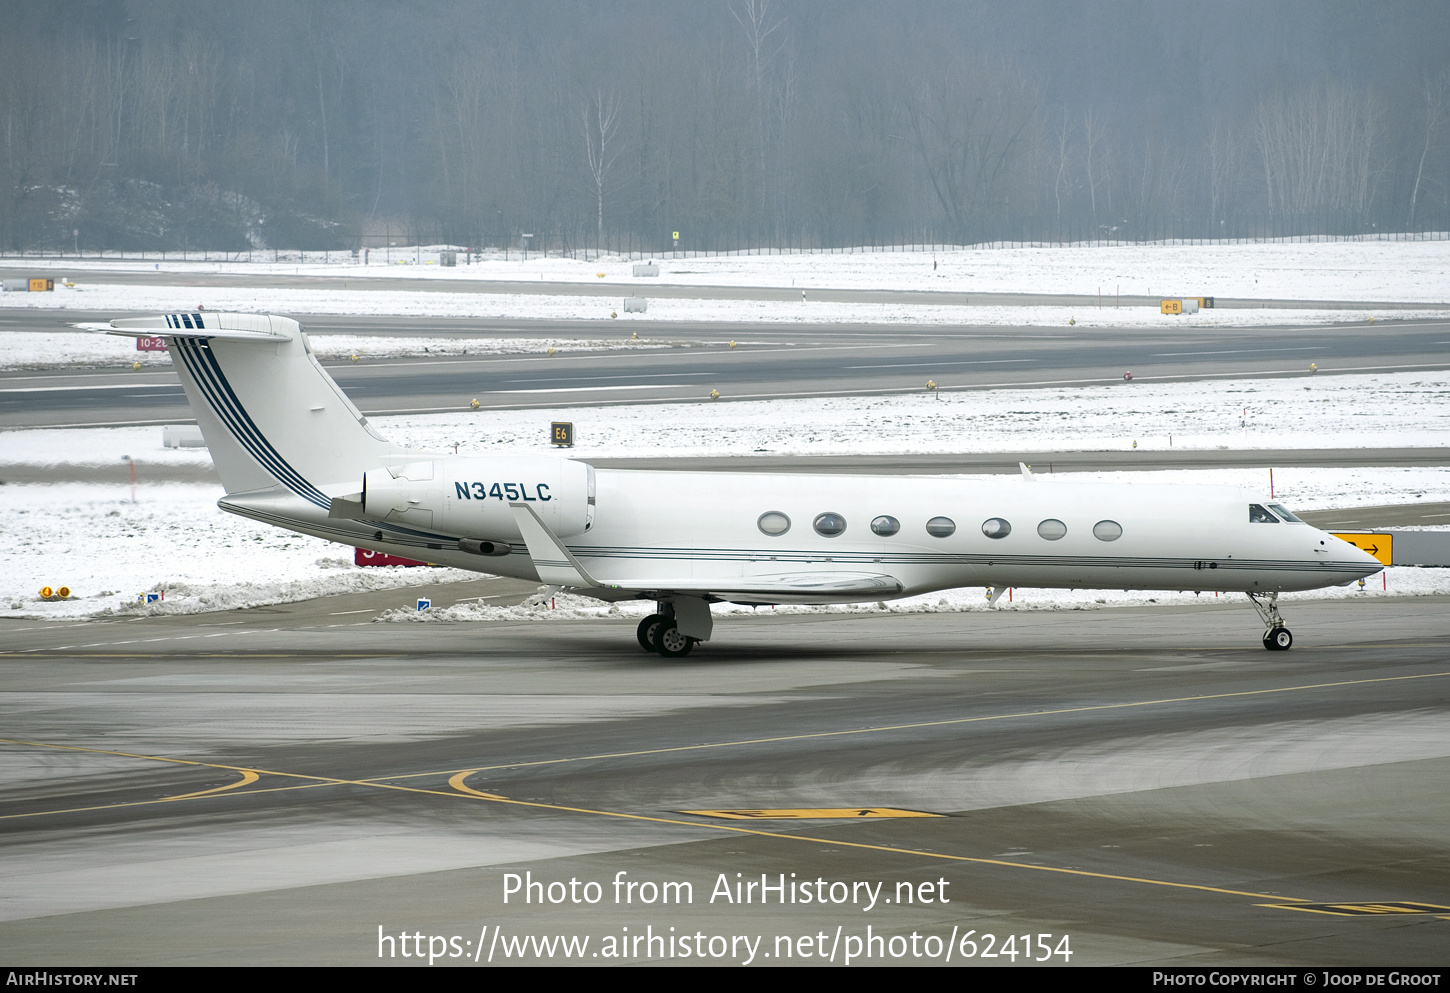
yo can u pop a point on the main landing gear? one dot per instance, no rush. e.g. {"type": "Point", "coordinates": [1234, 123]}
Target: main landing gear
{"type": "Point", "coordinates": [1276, 636]}
{"type": "Point", "coordinates": [681, 622]}
{"type": "Point", "coordinates": [658, 633]}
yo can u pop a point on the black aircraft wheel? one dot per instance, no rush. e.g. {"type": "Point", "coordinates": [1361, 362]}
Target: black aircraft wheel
{"type": "Point", "coordinates": [1278, 640]}
{"type": "Point", "coordinates": [673, 644]}
{"type": "Point", "coordinates": [648, 629]}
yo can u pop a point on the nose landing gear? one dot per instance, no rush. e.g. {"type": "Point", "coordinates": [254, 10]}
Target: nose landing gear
{"type": "Point", "coordinates": [1277, 637]}
{"type": "Point", "coordinates": [1278, 640]}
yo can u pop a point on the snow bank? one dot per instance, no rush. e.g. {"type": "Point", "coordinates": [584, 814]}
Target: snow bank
{"type": "Point", "coordinates": [109, 550]}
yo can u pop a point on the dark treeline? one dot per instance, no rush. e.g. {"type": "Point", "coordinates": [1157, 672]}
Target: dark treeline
{"type": "Point", "coordinates": [613, 123]}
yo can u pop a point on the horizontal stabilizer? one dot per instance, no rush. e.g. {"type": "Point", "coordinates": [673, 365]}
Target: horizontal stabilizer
{"type": "Point", "coordinates": [235, 327]}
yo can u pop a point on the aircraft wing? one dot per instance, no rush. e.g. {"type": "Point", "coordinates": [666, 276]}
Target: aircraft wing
{"type": "Point", "coordinates": [557, 566]}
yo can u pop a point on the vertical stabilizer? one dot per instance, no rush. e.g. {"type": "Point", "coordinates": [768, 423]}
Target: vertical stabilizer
{"type": "Point", "coordinates": [268, 410]}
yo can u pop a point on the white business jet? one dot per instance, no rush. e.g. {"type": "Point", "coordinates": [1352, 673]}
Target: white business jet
{"type": "Point", "coordinates": [294, 452]}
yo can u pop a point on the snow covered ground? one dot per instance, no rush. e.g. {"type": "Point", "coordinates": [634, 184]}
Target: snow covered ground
{"type": "Point", "coordinates": [93, 539]}
{"type": "Point", "coordinates": [1367, 411]}
{"type": "Point", "coordinates": [1367, 270]}
{"type": "Point", "coordinates": [1385, 410]}
{"type": "Point", "coordinates": [1403, 271]}
{"type": "Point", "coordinates": [34, 349]}
{"type": "Point", "coordinates": [1364, 269]}
{"type": "Point", "coordinates": [109, 549]}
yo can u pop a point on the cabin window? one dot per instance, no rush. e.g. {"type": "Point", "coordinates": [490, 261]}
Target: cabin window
{"type": "Point", "coordinates": [885, 526]}
{"type": "Point", "coordinates": [1284, 512]}
{"type": "Point", "coordinates": [1258, 515]}
{"type": "Point", "coordinates": [829, 525]}
{"type": "Point", "coordinates": [940, 527]}
{"type": "Point", "coordinates": [773, 522]}
{"type": "Point", "coordinates": [995, 527]}
{"type": "Point", "coordinates": [1051, 529]}
{"type": "Point", "coordinates": [1107, 530]}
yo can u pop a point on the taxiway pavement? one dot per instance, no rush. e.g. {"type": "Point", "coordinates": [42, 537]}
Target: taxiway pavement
{"type": "Point", "coordinates": [1148, 782]}
{"type": "Point", "coordinates": [767, 362]}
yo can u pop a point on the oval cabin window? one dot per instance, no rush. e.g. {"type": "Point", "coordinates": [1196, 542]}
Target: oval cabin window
{"type": "Point", "coordinates": [995, 527]}
{"type": "Point", "coordinates": [829, 525]}
{"type": "Point", "coordinates": [1051, 529]}
{"type": "Point", "coordinates": [885, 526]}
{"type": "Point", "coordinates": [773, 522]}
{"type": "Point", "coordinates": [940, 527]}
{"type": "Point", "coordinates": [1107, 530]}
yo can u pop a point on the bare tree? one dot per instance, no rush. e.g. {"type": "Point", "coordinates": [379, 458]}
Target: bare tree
{"type": "Point", "coordinates": [600, 118]}
{"type": "Point", "coordinates": [840, 121]}
{"type": "Point", "coordinates": [1094, 133]}
{"type": "Point", "coordinates": [754, 18]}
{"type": "Point", "coordinates": [971, 125]}
{"type": "Point", "coordinates": [1321, 148]}
{"type": "Point", "coordinates": [1437, 96]}
{"type": "Point", "coordinates": [1225, 160]}
{"type": "Point", "coordinates": [1063, 135]}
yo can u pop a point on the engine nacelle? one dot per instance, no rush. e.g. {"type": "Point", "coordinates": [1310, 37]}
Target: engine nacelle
{"type": "Point", "coordinates": [471, 496]}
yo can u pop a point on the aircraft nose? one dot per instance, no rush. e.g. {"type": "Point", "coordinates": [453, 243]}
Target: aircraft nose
{"type": "Point", "coordinates": [1350, 554]}
{"type": "Point", "coordinates": [1368, 563]}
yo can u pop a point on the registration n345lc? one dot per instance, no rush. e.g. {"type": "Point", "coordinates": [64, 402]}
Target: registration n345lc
{"type": "Point", "coordinates": [294, 452]}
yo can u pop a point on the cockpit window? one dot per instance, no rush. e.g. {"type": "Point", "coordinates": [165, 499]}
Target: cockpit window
{"type": "Point", "coordinates": [1285, 513]}
{"type": "Point", "coordinates": [1258, 515]}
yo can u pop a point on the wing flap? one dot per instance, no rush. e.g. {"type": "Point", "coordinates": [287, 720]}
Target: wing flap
{"type": "Point", "coordinates": [795, 587]}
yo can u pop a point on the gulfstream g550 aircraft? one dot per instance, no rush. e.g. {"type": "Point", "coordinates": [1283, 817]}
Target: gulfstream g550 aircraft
{"type": "Point", "coordinates": [293, 451]}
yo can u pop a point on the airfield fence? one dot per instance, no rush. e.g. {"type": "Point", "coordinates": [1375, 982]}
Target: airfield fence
{"type": "Point", "coordinates": [412, 244]}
